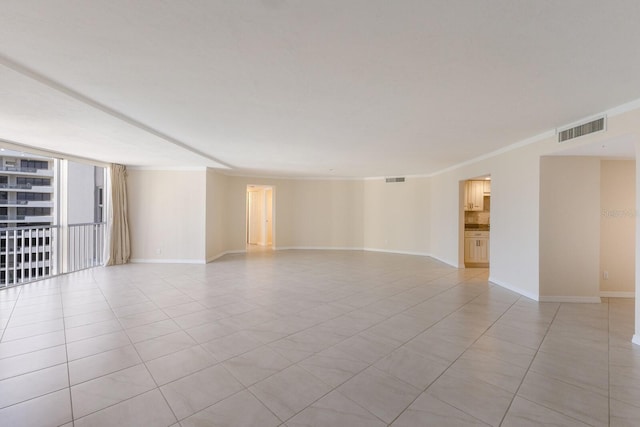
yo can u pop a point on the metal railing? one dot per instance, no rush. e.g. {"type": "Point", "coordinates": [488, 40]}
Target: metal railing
{"type": "Point", "coordinates": [85, 246]}
{"type": "Point", "coordinates": [13, 202]}
{"type": "Point", "coordinates": [18, 169]}
{"type": "Point", "coordinates": [32, 253]}
{"type": "Point", "coordinates": [27, 253]}
{"type": "Point", "coordinates": [16, 186]}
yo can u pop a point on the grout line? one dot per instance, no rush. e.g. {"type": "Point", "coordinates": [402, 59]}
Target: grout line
{"type": "Point", "coordinates": [531, 363]}
{"type": "Point", "coordinates": [15, 303]}
{"type": "Point", "coordinates": [66, 351]}
{"type": "Point", "coordinates": [461, 354]}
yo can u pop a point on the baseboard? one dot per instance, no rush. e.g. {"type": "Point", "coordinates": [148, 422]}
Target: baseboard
{"type": "Point", "coordinates": [582, 300]}
{"type": "Point", "coordinates": [166, 261]}
{"type": "Point", "coordinates": [636, 339]}
{"type": "Point", "coordinates": [220, 255]}
{"type": "Point", "coordinates": [513, 288]}
{"type": "Point", "coordinates": [315, 248]}
{"type": "Point", "coordinates": [445, 261]}
{"type": "Point", "coordinates": [616, 294]}
{"type": "Point", "coordinates": [391, 251]}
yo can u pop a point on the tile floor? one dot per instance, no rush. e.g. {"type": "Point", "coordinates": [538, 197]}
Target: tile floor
{"type": "Point", "coordinates": [304, 338]}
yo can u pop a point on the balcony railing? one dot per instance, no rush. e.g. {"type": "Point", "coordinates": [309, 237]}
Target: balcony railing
{"type": "Point", "coordinates": [85, 246]}
{"type": "Point", "coordinates": [22, 256]}
{"type": "Point", "coordinates": [16, 186]}
{"type": "Point", "coordinates": [13, 202]}
{"type": "Point", "coordinates": [32, 253]}
{"type": "Point", "coordinates": [18, 169]}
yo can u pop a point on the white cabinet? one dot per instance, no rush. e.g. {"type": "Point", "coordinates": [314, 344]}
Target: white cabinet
{"type": "Point", "coordinates": [487, 187]}
{"type": "Point", "coordinates": [474, 196]}
{"type": "Point", "coordinates": [476, 248]}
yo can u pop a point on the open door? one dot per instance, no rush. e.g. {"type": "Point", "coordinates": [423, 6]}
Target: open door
{"type": "Point", "coordinates": [259, 216]}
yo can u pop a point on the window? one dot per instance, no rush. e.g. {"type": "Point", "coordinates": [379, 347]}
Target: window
{"type": "Point", "coordinates": [34, 164]}
{"type": "Point", "coordinates": [33, 181]}
{"type": "Point", "coordinates": [34, 211]}
{"type": "Point", "coordinates": [37, 197]}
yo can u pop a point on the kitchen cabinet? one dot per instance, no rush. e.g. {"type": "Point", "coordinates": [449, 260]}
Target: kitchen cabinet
{"type": "Point", "coordinates": [474, 196]}
{"type": "Point", "coordinates": [487, 187]}
{"type": "Point", "coordinates": [476, 248]}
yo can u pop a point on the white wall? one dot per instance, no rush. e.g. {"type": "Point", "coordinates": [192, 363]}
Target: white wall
{"type": "Point", "coordinates": [167, 212]}
{"type": "Point", "coordinates": [308, 213]}
{"type": "Point", "coordinates": [216, 217]}
{"type": "Point", "coordinates": [397, 216]}
{"type": "Point", "coordinates": [570, 229]}
{"type": "Point", "coordinates": [617, 227]}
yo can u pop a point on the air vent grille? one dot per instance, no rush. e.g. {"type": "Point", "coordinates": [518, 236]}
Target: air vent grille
{"type": "Point", "coordinates": [394, 179]}
{"type": "Point", "coordinates": [582, 130]}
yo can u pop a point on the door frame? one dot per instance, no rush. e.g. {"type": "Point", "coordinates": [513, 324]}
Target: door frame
{"type": "Point", "coordinates": [265, 215]}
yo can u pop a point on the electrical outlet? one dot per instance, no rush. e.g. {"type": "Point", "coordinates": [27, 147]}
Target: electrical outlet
{"type": "Point", "coordinates": [605, 275]}
{"type": "Point", "coordinates": [158, 251]}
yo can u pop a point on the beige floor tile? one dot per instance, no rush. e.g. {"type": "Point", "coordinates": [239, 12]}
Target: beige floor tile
{"type": "Point", "coordinates": [149, 410]}
{"type": "Point", "coordinates": [210, 331]}
{"type": "Point", "coordinates": [88, 318]}
{"type": "Point", "coordinates": [332, 366]}
{"type": "Point", "coordinates": [104, 363]}
{"type": "Point", "coordinates": [475, 397]}
{"type": "Point", "coordinates": [164, 345]}
{"type": "Point", "coordinates": [152, 330]}
{"type": "Point", "coordinates": [625, 384]}
{"type": "Point", "coordinates": [570, 400]}
{"type": "Point", "coordinates": [303, 344]}
{"type": "Point", "coordinates": [239, 410]}
{"type": "Point", "coordinates": [289, 391]}
{"type": "Point", "coordinates": [19, 332]}
{"type": "Point", "coordinates": [28, 362]}
{"type": "Point", "coordinates": [27, 345]}
{"type": "Point", "coordinates": [524, 413]}
{"type": "Point", "coordinates": [624, 414]}
{"type": "Point", "coordinates": [180, 364]}
{"type": "Point", "coordinates": [579, 371]}
{"type": "Point", "coordinates": [412, 367]}
{"type": "Point", "coordinates": [50, 410]}
{"type": "Point", "coordinates": [95, 345]}
{"type": "Point", "coordinates": [333, 313]}
{"type": "Point", "coordinates": [335, 410]}
{"type": "Point", "coordinates": [368, 347]}
{"type": "Point", "coordinates": [232, 345]}
{"type": "Point", "coordinates": [183, 309]}
{"type": "Point", "coordinates": [381, 394]}
{"type": "Point", "coordinates": [436, 346]}
{"type": "Point", "coordinates": [493, 371]}
{"type": "Point", "coordinates": [523, 337]}
{"type": "Point", "coordinates": [502, 350]}
{"type": "Point", "coordinates": [93, 330]}
{"type": "Point", "coordinates": [145, 318]}
{"type": "Point", "coordinates": [197, 391]}
{"type": "Point", "coordinates": [256, 365]}
{"type": "Point", "coordinates": [427, 410]}
{"type": "Point", "coordinates": [34, 384]}
{"type": "Point", "coordinates": [110, 389]}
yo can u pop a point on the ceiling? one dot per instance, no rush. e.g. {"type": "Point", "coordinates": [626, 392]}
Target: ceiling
{"type": "Point", "coordinates": [300, 88]}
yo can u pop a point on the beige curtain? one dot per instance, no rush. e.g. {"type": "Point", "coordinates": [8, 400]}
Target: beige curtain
{"type": "Point", "coordinates": [119, 245]}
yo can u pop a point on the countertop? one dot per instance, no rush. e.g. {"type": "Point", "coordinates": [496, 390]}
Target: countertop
{"type": "Point", "coordinates": [476, 227]}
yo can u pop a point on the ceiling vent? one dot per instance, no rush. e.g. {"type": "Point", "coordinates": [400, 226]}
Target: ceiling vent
{"type": "Point", "coordinates": [394, 179]}
{"type": "Point", "coordinates": [593, 126]}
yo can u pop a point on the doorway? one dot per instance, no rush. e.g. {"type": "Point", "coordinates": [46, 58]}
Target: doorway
{"type": "Point", "coordinates": [475, 195]}
{"type": "Point", "coordinates": [260, 230]}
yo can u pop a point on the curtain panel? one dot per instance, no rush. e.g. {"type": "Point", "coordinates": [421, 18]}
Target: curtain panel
{"type": "Point", "coordinates": [119, 244]}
